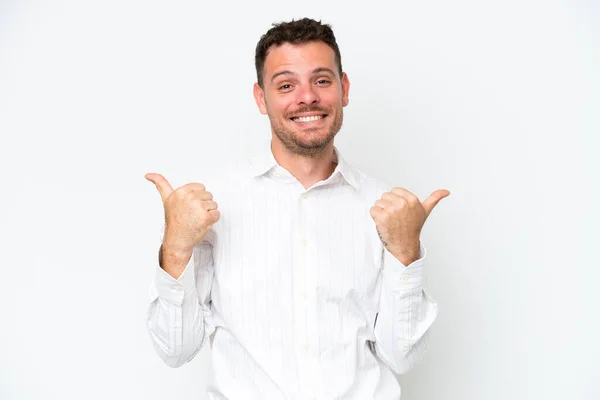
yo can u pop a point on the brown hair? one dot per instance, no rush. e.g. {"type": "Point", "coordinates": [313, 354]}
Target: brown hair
{"type": "Point", "coordinates": [296, 32]}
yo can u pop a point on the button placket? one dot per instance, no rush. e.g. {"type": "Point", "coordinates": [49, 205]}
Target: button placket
{"type": "Point", "coordinates": [306, 366]}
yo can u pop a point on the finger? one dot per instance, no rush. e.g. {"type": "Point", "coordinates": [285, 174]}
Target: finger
{"type": "Point", "coordinates": [396, 199]}
{"type": "Point", "coordinates": [215, 214]}
{"type": "Point", "coordinates": [375, 212]}
{"type": "Point", "coordinates": [194, 187]}
{"type": "Point", "coordinates": [391, 197]}
{"type": "Point", "coordinates": [163, 186]}
{"type": "Point", "coordinates": [383, 204]}
{"type": "Point", "coordinates": [202, 195]}
{"type": "Point", "coordinates": [433, 199]}
{"type": "Point", "coordinates": [209, 205]}
{"type": "Point", "coordinates": [410, 197]}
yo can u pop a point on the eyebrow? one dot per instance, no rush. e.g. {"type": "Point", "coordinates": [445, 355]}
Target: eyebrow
{"type": "Point", "coordinates": [315, 71]}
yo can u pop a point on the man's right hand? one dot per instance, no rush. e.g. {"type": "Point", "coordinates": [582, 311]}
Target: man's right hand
{"type": "Point", "coordinates": [190, 213]}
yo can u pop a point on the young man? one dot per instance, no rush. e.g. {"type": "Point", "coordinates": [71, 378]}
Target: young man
{"type": "Point", "coordinates": [307, 276]}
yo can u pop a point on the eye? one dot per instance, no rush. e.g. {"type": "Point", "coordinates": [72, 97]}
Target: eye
{"type": "Point", "coordinates": [323, 82]}
{"type": "Point", "coordinates": [287, 86]}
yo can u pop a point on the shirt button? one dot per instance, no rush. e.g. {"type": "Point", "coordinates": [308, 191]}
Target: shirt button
{"type": "Point", "coordinates": [305, 348]}
{"type": "Point", "coordinates": [179, 288]}
{"type": "Point", "coordinates": [304, 243]}
{"type": "Point", "coordinates": [304, 195]}
{"type": "Point", "coordinates": [406, 277]}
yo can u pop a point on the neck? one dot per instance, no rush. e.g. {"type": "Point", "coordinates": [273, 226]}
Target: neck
{"type": "Point", "coordinates": [306, 169]}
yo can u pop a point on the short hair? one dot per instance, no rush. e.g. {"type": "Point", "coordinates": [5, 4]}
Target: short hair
{"type": "Point", "coordinates": [295, 32]}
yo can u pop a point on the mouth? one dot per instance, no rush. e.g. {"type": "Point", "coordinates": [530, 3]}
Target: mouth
{"type": "Point", "coordinates": [309, 119]}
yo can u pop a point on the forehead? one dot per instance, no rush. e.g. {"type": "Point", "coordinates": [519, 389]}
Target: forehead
{"type": "Point", "coordinates": [299, 58]}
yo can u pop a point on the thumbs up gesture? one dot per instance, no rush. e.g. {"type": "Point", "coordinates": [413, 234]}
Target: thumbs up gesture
{"type": "Point", "coordinates": [190, 212]}
{"type": "Point", "coordinates": [399, 217]}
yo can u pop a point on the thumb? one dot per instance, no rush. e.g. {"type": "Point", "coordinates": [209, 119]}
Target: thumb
{"type": "Point", "coordinates": [433, 199]}
{"type": "Point", "coordinates": [163, 186]}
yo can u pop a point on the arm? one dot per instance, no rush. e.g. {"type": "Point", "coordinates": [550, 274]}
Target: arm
{"type": "Point", "coordinates": [405, 315]}
{"type": "Point", "coordinates": [179, 317]}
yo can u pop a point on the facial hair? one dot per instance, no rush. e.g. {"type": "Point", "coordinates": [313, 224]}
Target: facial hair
{"type": "Point", "coordinates": [301, 142]}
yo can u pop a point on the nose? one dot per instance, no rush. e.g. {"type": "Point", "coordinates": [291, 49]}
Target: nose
{"type": "Point", "coordinates": [307, 95]}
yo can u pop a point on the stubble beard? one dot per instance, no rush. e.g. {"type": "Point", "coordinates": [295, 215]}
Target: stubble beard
{"type": "Point", "coordinates": [301, 142]}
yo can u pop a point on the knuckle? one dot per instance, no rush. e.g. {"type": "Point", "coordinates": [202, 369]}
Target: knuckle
{"type": "Point", "coordinates": [194, 187]}
{"type": "Point", "coordinates": [183, 191]}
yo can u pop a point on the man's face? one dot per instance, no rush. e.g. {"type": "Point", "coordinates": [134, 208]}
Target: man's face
{"type": "Point", "coordinates": [303, 95]}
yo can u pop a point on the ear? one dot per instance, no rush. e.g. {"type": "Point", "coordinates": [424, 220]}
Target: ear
{"type": "Point", "coordinates": [345, 89]}
{"type": "Point", "coordinates": [259, 97]}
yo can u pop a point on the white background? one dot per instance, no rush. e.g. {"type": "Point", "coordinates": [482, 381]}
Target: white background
{"type": "Point", "coordinates": [496, 101]}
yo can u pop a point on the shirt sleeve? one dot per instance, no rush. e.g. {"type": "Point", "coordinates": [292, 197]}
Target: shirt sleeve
{"type": "Point", "coordinates": [179, 314]}
{"type": "Point", "coordinates": [406, 312]}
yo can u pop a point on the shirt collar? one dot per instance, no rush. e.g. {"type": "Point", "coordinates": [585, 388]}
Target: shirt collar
{"type": "Point", "coordinates": [263, 161]}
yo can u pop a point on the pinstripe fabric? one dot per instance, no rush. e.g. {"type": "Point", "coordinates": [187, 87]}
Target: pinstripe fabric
{"type": "Point", "coordinates": [293, 291]}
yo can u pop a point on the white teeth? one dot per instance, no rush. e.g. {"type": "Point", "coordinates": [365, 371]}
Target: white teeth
{"type": "Point", "coordinates": [308, 119]}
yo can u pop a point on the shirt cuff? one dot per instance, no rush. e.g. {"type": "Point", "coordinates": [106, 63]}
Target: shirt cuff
{"type": "Point", "coordinates": [404, 278]}
{"type": "Point", "coordinates": [172, 289]}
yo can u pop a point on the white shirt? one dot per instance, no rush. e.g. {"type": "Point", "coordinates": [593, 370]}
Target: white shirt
{"type": "Point", "coordinates": [294, 289]}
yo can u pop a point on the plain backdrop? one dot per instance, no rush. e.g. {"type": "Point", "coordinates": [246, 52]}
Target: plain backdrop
{"type": "Point", "coordinates": [496, 101]}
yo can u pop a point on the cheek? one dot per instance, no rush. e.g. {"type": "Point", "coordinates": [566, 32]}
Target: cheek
{"type": "Point", "coordinates": [332, 100]}
{"type": "Point", "coordinates": [278, 107]}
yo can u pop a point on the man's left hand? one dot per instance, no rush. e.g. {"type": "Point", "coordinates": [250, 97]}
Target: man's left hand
{"type": "Point", "coordinates": [399, 217]}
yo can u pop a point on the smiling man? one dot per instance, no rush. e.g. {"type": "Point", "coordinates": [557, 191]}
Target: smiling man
{"type": "Point", "coordinates": [307, 277]}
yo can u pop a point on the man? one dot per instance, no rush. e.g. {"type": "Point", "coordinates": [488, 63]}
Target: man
{"type": "Point", "coordinates": [307, 276]}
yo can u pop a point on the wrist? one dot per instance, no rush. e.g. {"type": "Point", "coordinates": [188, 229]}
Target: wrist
{"type": "Point", "coordinates": [174, 248]}
{"type": "Point", "coordinates": [173, 260]}
{"type": "Point", "coordinates": [406, 255]}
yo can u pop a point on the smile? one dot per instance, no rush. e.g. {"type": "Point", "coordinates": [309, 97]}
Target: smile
{"type": "Point", "coordinates": [308, 119]}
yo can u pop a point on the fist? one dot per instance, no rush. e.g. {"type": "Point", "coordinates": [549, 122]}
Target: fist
{"type": "Point", "coordinates": [399, 217]}
{"type": "Point", "coordinates": [190, 213]}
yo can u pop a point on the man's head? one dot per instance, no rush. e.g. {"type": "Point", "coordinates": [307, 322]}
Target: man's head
{"type": "Point", "coordinates": [299, 74]}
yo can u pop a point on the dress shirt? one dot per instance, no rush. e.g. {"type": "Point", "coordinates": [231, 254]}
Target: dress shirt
{"type": "Point", "coordinates": [294, 290]}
